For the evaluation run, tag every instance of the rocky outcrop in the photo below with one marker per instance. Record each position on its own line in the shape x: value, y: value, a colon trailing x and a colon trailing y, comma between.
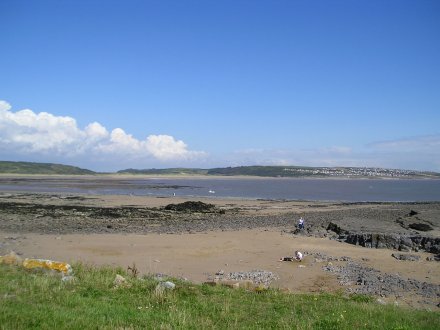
x: 399, y: 242
x: 393, y: 241
x: 406, y: 257
x: 192, y: 206
x: 420, y: 226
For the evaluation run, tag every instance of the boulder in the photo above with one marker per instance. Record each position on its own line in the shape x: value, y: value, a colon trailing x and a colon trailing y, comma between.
x: 61, y: 267
x: 168, y: 285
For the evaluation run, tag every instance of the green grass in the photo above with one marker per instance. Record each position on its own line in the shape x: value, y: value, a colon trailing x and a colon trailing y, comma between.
x: 41, y: 168
x: 30, y: 299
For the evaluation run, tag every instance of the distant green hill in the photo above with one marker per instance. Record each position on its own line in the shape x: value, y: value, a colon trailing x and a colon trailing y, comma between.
x: 271, y: 171
x: 165, y: 171
x: 292, y: 171
x: 40, y: 168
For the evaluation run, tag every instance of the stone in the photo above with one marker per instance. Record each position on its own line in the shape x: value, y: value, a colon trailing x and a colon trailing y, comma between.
x: 119, y: 280
x: 62, y: 267
x: 68, y: 278
x: 435, y: 249
x: 168, y: 285
x: 11, y: 259
x: 407, y: 257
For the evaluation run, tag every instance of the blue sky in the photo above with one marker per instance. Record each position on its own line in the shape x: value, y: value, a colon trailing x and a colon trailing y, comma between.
x: 109, y: 85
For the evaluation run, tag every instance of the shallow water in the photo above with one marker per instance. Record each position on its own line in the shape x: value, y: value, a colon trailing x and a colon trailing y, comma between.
x: 349, y: 190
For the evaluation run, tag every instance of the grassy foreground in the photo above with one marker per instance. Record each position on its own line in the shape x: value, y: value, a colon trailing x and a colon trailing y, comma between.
x: 30, y: 299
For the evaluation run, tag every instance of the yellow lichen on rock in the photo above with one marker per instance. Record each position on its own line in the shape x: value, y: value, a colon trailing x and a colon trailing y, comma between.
x: 48, y: 264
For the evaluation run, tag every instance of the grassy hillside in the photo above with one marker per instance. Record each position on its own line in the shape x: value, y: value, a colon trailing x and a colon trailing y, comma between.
x: 37, y: 300
x: 40, y: 168
x: 292, y: 171
x: 166, y: 171
x: 272, y: 171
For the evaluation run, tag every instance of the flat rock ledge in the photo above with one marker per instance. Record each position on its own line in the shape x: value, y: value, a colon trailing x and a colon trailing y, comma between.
x: 398, y: 242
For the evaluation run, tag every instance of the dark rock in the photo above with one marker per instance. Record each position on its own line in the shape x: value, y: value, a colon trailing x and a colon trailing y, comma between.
x: 406, y: 244
x: 420, y: 226
x: 335, y: 228
x: 435, y: 249
x: 412, y: 213
x: 191, y: 206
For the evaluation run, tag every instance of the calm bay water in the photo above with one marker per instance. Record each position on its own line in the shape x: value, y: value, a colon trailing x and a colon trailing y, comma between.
x: 350, y: 190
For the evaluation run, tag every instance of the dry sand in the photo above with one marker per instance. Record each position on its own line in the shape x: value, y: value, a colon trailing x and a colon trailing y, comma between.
x: 198, y: 256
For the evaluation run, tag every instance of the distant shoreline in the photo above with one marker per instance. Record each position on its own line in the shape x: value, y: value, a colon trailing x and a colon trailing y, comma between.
x: 207, y: 176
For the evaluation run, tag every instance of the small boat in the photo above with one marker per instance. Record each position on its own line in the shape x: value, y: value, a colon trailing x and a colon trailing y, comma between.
x: 211, y: 192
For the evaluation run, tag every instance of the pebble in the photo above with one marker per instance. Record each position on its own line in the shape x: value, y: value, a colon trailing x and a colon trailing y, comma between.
x: 367, y: 280
x: 256, y: 276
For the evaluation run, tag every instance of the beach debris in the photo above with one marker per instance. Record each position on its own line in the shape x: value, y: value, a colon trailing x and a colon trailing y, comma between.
x: 11, y: 259
x: 61, y: 267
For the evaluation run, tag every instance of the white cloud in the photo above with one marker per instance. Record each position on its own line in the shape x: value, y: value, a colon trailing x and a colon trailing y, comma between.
x: 28, y: 133
x: 418, y: 153
x: 165, y: 147
x: 430, y: 143
x: 95, y: 131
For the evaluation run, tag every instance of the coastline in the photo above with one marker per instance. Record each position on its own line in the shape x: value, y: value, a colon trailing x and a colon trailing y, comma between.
x: 201, y: 177
x: 238, y: 235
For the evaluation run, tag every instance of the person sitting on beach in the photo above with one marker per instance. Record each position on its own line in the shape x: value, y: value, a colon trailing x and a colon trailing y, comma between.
x: 298, y: 257
x: 301, y: 223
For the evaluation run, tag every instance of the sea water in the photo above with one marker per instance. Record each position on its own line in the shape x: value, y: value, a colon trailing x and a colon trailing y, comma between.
x: 348, y: 190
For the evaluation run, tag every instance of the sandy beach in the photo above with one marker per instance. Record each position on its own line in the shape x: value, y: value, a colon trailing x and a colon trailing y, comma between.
x: 233, y: 236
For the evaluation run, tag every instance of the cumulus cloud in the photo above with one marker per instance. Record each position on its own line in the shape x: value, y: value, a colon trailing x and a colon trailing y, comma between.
x: 29, y: 133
